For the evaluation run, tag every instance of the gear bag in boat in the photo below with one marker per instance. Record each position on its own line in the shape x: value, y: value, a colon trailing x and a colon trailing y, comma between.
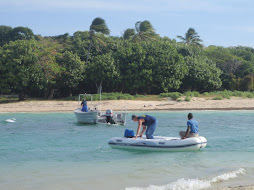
x: 128, y: 133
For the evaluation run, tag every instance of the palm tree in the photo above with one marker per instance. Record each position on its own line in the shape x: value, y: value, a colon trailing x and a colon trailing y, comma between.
x: 98, y: 26
x: 128, y: 34
x: 191, y: 38
x: 143, y: 31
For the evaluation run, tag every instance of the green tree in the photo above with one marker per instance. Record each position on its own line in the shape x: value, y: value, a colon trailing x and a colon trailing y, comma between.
x: 65, y: 40
x: 21, y: 33
x: 150, y: 67
x: 103, y: 72
x: 51, y: 71
x: 143, y: 31
x: 98, y: 26
x: 17, y: 60
x: 135, y: 76
x: 191, y: 38
x: 202, y: 76
x: 246, y: 69
x: 168, y: 66
x: 230, y: 65
x: 71, y: 75
x: 128, y: 34
x: 80, y: 42
x: 5, y: 34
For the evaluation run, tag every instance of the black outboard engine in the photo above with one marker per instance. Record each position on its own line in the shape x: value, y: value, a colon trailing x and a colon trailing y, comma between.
x: 109, y: 117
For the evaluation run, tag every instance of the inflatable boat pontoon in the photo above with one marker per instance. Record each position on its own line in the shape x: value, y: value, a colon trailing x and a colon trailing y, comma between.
x: 159, y: 143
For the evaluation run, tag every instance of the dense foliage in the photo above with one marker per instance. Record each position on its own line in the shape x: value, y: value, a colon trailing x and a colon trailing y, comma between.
x: 139, y: 62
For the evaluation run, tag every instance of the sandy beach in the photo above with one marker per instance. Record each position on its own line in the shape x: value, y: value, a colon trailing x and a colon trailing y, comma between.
x: 196, y: 103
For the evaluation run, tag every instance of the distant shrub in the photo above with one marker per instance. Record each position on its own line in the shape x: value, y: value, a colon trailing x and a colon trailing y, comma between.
x: 238, y: 93
x: 114, y: 96
x: 164, y: 95
x: 188, y: 93
x: 196, y: 94
x: 104, y: 96
x: 109, y: 98
x: 250, y: 95
x: 226, y: 94
x: 217, y: 98
x: 173, y: 95
x: 179, y: 100
x: 71, y: 98
x: 187, y: 99
x: 139, y: 96
x: 192, y: 94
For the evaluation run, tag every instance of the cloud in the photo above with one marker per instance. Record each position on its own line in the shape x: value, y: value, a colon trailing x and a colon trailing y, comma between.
x: 68, y: 4
x: 123, y: 5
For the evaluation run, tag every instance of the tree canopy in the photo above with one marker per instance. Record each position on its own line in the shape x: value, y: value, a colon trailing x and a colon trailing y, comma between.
x: 139, y: 62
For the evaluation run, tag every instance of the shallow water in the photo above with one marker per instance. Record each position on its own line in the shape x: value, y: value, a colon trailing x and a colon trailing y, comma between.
x: 53, y: 151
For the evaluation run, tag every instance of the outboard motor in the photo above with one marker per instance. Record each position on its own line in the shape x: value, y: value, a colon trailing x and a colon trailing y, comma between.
x: 109, y: 117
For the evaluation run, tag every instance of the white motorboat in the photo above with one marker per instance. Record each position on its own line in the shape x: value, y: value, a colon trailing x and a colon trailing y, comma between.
x: 159, y: 143
x: 89, y: 117
x: 86, y: 117
x: 93, y: 115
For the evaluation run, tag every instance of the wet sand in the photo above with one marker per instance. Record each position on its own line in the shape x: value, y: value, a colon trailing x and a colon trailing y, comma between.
x: 236, y: 188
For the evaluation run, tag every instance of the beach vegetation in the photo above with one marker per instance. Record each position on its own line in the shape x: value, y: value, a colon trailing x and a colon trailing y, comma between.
x: 218, y: 98
x: 228, y: 94
x: 106, y: 96
x: 191, y: 94
x: 250, y: 95
x: 139, y: 63
x: 173, y: 95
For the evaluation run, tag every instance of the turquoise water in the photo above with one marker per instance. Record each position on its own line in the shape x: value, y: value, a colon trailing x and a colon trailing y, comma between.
x: 53, y: 151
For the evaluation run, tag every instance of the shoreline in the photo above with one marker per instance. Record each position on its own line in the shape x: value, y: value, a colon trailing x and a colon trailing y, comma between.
x: 136, y: 110
x: 198, y: 104
x: 240, y: 187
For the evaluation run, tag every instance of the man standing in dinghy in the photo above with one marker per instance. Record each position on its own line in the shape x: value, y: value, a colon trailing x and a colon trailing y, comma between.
x: 145, y: 121
x: 192, y: 128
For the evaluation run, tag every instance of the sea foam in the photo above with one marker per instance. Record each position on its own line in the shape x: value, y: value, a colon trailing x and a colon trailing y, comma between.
x: 12, y: 120
x: 192, y: 184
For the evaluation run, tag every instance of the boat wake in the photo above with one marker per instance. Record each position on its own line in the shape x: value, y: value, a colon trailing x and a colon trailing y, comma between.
x: 12, y: 120
x: 192, y: 184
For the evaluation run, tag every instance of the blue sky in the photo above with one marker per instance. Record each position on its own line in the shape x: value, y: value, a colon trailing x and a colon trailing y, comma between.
x: 218, y: 22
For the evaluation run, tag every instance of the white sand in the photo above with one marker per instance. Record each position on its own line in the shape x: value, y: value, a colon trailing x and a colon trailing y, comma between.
x: 133, y: 105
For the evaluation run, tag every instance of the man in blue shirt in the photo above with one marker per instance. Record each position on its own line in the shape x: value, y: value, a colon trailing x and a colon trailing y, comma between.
x: 192, y: 128
x: 84, y: 105
x: 146, y: 121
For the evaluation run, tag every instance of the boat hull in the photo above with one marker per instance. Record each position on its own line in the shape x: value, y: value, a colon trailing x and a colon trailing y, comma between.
x: 159, y: 143
x: 90, y: 117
